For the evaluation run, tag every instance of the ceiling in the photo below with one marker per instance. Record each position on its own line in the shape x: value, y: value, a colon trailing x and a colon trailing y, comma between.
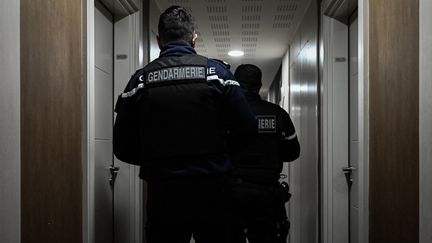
x: 260, y: 28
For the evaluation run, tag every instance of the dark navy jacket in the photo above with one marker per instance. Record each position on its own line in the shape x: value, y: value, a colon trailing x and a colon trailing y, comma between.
x: 275, y: 143
x: 239, y: 122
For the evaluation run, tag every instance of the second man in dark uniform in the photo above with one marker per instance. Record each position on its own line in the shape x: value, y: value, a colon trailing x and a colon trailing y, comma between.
x: 259, y: 198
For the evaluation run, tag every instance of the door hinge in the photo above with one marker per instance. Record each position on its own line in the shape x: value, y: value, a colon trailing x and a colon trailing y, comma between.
x: 114, y: 171
x: 348, y: 174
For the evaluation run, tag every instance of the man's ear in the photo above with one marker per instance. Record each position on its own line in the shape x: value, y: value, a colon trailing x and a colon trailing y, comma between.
x: 194, y: 39
x: 160, y: 42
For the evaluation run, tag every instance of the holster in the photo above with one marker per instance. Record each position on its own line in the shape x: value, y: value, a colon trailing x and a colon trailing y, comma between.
x: 283, y: 223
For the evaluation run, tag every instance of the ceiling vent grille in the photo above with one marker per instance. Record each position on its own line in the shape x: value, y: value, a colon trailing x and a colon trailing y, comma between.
x: 249, y: 39
x: 223, y: 45
x: 222, y: 39
x: 284, y: 17
x: 218, y: 18
x: 249, y: 45
x: 250, y: 32
x: 219, y: 26
x: 282, y: 25
x: 251, y: 17
x: 250, y: 26
x: 285, y: 8
x: 215, y: 1
x: 216, y: 9
x: 221, y: 33
x: 252, y: 9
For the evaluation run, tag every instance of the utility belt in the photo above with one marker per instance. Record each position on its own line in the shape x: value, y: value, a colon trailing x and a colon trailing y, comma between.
x: 280, y: 189
x: 265, y: 182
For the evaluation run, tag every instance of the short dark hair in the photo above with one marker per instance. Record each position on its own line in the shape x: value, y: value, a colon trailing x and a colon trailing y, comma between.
x: 175, y: 24
x: 249, y: 76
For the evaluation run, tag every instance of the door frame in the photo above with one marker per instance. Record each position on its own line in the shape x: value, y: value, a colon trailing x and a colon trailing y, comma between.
x: 334, y: 124
x: 363, y: 123
x: 89, y: 146
x: 425, y: 183
x: 129, y: 190
x: 89, y: 122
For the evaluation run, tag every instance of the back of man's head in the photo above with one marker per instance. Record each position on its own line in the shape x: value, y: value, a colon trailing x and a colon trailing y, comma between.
x: 249, y: 76
x: 176, y: 24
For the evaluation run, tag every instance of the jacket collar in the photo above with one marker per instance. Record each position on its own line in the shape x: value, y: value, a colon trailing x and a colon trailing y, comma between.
x: 177, y: 48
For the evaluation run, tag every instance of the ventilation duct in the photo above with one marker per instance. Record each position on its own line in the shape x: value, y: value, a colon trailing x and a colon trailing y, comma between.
x: 121, y: 8
x: 339, y: 9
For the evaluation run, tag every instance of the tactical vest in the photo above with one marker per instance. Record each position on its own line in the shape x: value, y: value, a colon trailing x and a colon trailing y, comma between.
x: 180, y: 116
x: 260, y: 161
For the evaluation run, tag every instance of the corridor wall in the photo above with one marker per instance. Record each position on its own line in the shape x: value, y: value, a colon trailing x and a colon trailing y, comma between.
x: 394, y: 121
x: 425, y: 121
x: 304, y: 98
x: 52, y: 120
x: 10, y: 121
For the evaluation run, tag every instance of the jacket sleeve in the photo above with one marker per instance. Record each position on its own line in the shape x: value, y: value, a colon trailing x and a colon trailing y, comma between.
x: 126, y: 141
x: 289, y: 146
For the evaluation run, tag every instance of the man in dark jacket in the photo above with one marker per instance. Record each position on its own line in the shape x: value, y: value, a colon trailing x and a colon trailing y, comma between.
x: 174, y: 119
x: 259, y: 198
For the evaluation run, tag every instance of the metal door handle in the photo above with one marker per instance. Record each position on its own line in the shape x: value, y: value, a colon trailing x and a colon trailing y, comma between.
x: 114, y: 171
x: 347, y: 172
x: 348, y: 169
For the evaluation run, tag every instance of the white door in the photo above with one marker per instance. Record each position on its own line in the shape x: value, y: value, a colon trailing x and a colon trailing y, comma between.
x: 103, y: 123
x: 335, y: 132
x: 354, y: 130
x: 117, y: 196
x: 128, y: 189
x: 340, y: 132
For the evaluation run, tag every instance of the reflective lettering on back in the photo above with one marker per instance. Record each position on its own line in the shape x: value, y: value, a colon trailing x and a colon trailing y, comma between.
x: 176, y: 73
x: 266, y: 124
x: 211, y: 70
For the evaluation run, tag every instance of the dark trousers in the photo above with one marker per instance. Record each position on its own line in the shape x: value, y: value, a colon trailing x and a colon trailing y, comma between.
x: 255, y: 214
x: 180, y: 208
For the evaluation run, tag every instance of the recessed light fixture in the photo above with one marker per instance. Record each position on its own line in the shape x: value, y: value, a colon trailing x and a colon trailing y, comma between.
x: 236, y: 53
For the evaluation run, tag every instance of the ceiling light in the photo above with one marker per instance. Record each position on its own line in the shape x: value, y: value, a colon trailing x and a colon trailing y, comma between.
x: 236, y: 53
